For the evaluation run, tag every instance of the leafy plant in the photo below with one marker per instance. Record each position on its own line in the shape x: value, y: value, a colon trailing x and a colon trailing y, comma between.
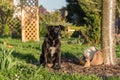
x: 6, y: 61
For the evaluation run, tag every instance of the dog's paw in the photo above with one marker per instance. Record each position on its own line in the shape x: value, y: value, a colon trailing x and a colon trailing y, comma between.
x: 49, y: 65
x: 43, y: 64
x: 56, y: 67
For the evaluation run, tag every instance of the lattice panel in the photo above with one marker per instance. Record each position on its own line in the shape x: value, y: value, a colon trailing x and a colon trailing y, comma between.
x: 15, y: 26
x: 30, y: 2
x: 30, y: 19
x: 14, y: 23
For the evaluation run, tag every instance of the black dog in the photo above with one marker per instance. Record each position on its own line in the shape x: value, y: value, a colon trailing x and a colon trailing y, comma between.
x: 51, y: 52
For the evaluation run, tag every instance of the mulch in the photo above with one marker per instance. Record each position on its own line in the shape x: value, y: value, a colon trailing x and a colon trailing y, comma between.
x: 71, y: 66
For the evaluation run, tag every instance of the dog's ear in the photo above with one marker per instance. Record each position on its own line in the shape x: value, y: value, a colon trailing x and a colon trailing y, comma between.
x: 62, y: 27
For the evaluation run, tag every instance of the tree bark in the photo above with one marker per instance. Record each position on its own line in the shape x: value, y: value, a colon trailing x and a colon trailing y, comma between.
x: 108, y: 32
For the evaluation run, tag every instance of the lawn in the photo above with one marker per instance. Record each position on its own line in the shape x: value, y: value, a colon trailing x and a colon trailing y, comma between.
x: 18, y: 63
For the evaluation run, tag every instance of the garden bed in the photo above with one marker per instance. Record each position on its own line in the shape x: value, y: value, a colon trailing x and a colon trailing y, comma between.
x: 71, y: 66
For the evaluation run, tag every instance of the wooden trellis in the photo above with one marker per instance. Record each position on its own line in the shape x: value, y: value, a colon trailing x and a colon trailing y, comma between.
x: 10, y: 21
x: 30, y: 20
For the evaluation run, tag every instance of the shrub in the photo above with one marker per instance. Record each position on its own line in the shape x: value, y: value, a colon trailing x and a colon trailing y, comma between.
x: 93, y: 28
x: 91, y: 31
x: 6, y: 11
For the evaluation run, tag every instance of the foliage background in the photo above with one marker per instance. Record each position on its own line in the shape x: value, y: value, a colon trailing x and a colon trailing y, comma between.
x: 85, y: 14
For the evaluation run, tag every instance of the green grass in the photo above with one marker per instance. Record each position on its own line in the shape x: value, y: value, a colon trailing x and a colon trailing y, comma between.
x: 25, y: 54
x: 118, y: 51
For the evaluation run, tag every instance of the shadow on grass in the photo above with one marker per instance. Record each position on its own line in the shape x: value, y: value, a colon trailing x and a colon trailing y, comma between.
x: 69, y: 57
x: 29, y: 58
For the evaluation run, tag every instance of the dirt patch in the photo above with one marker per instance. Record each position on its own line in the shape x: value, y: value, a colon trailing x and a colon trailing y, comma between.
x: 70, y: 66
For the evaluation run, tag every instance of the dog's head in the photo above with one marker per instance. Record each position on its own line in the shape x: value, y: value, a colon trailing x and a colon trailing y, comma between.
x: 55, y: 31
x: 82, y: 60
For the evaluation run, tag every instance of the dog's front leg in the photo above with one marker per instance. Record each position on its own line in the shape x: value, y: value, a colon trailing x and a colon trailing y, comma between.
x: 57, y: 61
x: 45, y: 51
x: 45, y: 57
x: 59, y: 55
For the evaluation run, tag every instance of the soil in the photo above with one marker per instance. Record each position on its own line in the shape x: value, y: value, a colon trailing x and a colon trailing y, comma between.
x: 71, y: 65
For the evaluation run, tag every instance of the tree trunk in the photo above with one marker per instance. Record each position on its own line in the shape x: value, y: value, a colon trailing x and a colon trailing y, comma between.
x: 108, y: 32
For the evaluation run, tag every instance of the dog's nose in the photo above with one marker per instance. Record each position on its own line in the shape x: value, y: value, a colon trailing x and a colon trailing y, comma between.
x: 56, y: 31
x: 59, y: 36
